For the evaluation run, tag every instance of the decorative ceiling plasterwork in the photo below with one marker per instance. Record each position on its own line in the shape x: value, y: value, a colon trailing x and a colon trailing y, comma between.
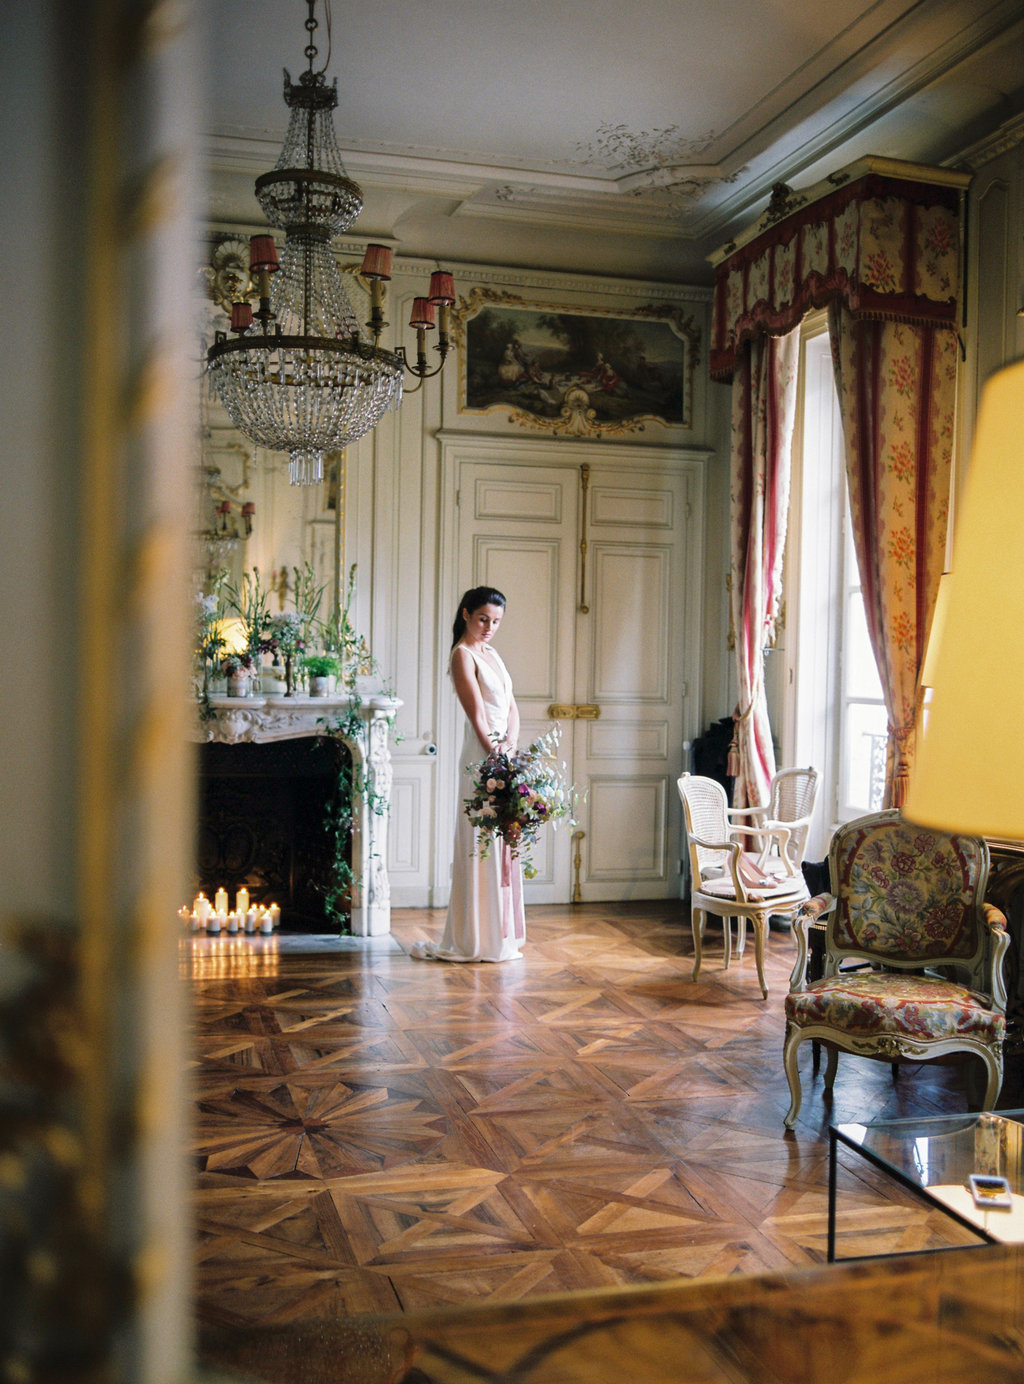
x: 658, y: 164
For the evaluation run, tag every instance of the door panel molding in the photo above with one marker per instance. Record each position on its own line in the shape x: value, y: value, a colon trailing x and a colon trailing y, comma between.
x: 626, y: 839
x: 640, y: 509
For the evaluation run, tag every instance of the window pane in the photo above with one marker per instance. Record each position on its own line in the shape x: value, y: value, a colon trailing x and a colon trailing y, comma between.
x: 864, y: 757
x: 860, y: 670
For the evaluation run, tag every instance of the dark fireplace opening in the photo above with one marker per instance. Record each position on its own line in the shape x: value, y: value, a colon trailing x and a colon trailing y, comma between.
x: 267, y: 816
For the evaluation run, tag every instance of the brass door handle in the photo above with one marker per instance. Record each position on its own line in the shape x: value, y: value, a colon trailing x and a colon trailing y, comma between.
x: 566, y: 711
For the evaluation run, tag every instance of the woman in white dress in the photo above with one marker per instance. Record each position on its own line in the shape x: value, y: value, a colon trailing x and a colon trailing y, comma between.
x: 486, y: 920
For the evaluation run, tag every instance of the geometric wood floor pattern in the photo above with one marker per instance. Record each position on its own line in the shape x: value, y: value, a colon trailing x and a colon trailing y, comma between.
x: 375, y: 1133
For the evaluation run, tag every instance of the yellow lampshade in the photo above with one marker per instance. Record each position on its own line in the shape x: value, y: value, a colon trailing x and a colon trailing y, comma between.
x: 968, y: 773
x: 927, y: 678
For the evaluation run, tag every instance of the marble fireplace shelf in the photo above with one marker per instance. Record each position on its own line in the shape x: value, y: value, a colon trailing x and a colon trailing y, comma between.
x: 259, y: 720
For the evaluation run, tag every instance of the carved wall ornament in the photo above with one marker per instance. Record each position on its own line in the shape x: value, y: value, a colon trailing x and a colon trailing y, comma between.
x: 572, y: 373
x: 227, y: 275
x: 782, y: 202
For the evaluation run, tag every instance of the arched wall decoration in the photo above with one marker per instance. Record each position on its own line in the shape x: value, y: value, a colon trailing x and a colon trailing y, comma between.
x: 879, y: 245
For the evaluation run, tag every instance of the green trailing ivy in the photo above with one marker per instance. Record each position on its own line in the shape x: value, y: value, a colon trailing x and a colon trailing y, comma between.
x: 347, y: 725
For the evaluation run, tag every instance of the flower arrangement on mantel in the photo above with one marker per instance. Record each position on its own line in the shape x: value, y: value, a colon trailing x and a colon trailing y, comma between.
x: 298, y: 641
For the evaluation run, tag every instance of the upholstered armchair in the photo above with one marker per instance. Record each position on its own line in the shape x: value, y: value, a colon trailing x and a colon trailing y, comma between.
x: 909, y: 912
x: 725, y: 880
x: 779, y: 829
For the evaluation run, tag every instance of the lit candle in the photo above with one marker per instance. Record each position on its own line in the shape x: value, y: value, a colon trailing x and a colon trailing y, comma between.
x: 242, y: 900
x: 275, y: 914
x: 220, y: 900
x: 232, y: 922
x: 267, y: 921
x: 250, y: 920
x: 193, y: 922
x: 215, y: 922
x: 202, y: 908
x: 184, y: 913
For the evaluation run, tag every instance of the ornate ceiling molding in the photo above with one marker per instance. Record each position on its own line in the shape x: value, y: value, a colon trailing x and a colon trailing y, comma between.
x: 658, y: 164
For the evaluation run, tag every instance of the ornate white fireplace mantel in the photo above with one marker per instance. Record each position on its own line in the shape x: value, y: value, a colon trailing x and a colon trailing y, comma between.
x: 257, y: 720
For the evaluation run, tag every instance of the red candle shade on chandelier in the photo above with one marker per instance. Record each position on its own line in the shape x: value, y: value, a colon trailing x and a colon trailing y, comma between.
x: 422, y: 317
x: 241, y: 317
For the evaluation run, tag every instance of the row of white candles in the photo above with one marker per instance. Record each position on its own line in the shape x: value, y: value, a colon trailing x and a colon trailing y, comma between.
x: 216, y: 917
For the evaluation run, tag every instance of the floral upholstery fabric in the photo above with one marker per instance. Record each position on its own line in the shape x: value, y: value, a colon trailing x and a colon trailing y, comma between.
x: 906, y: 1006
x: 907, y: 893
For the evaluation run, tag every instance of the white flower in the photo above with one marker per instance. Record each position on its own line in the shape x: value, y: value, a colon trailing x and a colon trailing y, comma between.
x: 487, y: 811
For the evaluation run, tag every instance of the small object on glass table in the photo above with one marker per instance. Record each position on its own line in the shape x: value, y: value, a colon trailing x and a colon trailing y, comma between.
x: 990, y: 1193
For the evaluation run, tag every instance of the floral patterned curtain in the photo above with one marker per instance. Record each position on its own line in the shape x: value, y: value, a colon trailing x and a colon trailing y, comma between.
x: 879, y: 246
x: 763, y: 412
x: 897, y: 396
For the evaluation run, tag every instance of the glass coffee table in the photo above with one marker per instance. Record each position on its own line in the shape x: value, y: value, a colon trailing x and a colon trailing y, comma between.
x: 934, y: 1158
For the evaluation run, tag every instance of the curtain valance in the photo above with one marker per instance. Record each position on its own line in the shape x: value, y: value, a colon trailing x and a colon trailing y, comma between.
x: 886, y: 247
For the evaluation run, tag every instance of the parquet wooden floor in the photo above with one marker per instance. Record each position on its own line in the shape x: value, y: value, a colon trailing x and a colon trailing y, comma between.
x: 376, y: 1133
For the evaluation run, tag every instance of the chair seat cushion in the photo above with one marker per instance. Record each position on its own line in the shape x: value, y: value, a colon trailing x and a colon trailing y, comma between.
x: 910, y: 1006
x: 792, y: 888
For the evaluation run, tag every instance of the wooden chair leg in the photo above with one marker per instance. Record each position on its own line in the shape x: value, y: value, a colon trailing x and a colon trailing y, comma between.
x: 697, y: 926
x: 789, y: 1062
x: 760, y: 925
x: 830, y: 1069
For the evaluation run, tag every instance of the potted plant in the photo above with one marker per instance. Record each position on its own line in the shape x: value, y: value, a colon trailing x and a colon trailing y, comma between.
x: 320, y: 669
x: 238, y: 669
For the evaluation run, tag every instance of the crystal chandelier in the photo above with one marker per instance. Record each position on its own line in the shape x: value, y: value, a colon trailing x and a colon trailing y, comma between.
x: 296, y: 376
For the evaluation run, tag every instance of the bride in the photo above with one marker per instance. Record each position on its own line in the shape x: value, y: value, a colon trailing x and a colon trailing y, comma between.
x: 486, y: 920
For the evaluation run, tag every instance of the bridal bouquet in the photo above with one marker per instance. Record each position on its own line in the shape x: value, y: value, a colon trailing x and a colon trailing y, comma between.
x: 514, y: 795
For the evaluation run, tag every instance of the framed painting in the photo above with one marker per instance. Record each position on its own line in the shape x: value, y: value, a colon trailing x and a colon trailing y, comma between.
x: 583, y: 374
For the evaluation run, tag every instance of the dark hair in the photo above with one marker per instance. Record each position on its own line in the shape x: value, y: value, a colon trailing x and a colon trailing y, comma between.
x: 473, y: 600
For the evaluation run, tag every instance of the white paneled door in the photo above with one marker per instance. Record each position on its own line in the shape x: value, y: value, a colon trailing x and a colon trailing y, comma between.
x: 600, y: 635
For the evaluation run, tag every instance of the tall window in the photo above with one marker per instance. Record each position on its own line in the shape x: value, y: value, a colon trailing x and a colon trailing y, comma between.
x: 863, y: 720
x: 824, y: 690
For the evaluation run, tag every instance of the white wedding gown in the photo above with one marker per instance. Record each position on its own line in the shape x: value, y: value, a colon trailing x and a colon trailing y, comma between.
x: 486, y: 919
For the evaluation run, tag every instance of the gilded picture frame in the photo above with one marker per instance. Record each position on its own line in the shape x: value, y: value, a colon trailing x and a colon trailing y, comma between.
x: 576, y: 373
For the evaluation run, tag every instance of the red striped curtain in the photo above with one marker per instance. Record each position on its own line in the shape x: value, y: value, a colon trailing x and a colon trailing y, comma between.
x: 763, y: 412
x: 881, y: 251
